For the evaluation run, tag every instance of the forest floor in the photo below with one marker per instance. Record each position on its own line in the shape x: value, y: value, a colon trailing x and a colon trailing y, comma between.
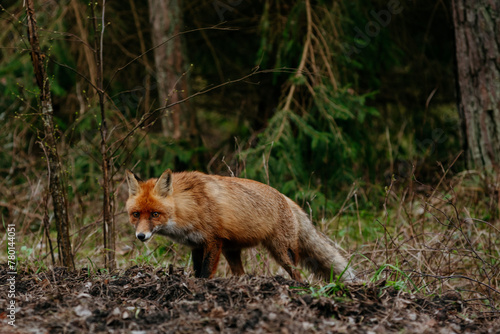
x: 159, y: 300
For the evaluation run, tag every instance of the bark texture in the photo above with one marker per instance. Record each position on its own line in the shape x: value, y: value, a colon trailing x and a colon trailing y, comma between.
x: 56, y: 186
x: 166, y: 22
x: 477, y: 37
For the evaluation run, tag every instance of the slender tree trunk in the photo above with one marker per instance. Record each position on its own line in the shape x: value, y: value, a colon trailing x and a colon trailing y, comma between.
x: 166, y: 21
x: 108, y: 221
x: 477, y: 36
x: 56, y: 186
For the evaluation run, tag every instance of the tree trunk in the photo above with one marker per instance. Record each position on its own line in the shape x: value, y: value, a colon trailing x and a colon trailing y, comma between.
x: 56, y: 186
x: 166, y: 21
x: 108, y: 220
x: 477, y: 36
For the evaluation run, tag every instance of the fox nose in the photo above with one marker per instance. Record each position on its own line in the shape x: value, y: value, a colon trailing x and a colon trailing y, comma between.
x: 143, y: 236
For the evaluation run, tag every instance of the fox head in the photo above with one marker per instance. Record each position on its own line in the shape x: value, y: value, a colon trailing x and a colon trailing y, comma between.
x: 150, y: 205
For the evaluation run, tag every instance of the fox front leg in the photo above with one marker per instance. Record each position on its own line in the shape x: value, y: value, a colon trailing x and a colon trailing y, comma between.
x: 206, y: 259
x: 233, y: 257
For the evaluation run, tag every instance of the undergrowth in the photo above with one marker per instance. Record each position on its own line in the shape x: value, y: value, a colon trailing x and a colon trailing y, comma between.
x: 423, y: 239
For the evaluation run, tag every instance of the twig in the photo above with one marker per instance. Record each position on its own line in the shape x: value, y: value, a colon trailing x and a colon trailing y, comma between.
x: 151, y: 113
x: 357, y: 214
x: 215, y: 27
x: 46, y: 226
x: 24, y: 211
x: 446, y: 172
x: 455, y: 277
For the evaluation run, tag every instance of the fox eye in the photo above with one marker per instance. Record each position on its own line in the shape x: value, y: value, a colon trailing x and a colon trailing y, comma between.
x: 155, y: 214
x: 136, y: 214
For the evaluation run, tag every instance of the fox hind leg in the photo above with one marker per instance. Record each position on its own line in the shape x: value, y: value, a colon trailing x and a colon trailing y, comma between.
x: 286, y: 256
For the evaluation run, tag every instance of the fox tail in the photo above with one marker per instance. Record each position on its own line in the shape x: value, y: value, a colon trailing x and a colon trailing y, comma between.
x: 317, y: 252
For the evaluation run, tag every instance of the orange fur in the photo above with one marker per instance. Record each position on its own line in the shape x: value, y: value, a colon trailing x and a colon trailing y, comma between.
x: 214, y: 214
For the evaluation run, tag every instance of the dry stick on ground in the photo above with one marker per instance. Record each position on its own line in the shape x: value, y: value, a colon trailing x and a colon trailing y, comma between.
x: 49, y: 143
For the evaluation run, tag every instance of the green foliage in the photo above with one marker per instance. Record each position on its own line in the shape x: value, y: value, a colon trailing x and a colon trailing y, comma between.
x: 27, y: 258
x: 141, y: 260
x: 400, y: 281
x: 310, y: 156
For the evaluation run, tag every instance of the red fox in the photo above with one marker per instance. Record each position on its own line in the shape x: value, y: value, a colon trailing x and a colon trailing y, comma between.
x: 213, y: 214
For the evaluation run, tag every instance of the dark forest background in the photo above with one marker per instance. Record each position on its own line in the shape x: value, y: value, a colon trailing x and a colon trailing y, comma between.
x: 388, y: 109
x: 351, y: 108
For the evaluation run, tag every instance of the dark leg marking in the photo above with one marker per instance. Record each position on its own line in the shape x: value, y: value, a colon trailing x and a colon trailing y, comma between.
x: 233, y: 258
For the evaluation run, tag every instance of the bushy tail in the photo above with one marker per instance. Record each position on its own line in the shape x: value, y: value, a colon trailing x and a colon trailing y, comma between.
x: 317, y: 252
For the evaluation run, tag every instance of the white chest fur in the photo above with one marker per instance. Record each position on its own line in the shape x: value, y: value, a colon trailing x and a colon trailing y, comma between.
x: 185, y: 235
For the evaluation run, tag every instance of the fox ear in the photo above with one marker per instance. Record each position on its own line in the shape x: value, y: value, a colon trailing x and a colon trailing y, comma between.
x: 163, y: 186
x: 133, y: 183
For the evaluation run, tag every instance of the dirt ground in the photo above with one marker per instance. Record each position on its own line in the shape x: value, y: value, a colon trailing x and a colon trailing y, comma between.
x: 152, y: 300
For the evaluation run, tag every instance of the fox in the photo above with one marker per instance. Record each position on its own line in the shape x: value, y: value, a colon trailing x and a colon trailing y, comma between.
x: 214, y: 214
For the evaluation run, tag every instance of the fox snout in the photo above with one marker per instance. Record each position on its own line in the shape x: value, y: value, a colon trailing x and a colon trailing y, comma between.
x: 143, y: 236
x: 144, y: 230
